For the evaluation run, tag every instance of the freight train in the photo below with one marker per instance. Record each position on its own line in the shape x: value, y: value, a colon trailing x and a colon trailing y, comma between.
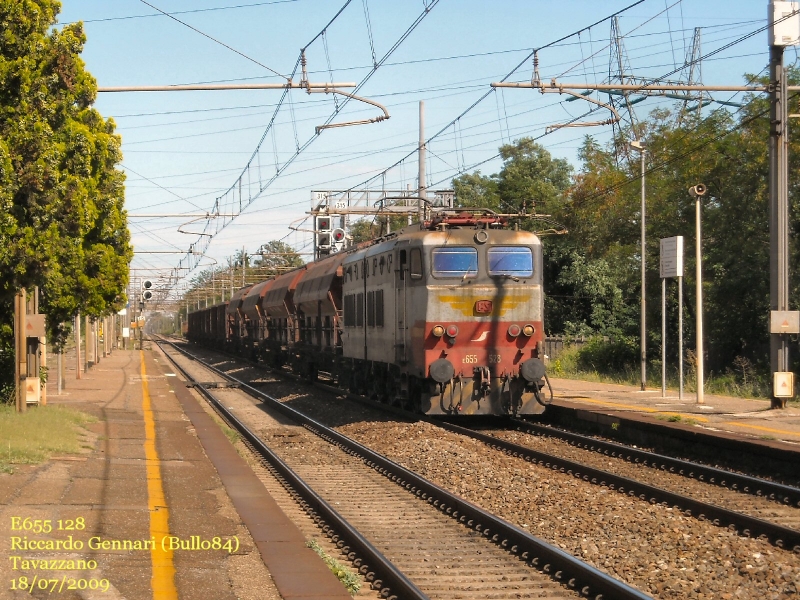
x: 443, y: 319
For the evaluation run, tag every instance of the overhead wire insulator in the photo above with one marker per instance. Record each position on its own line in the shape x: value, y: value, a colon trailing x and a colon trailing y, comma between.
x: 304, y: 73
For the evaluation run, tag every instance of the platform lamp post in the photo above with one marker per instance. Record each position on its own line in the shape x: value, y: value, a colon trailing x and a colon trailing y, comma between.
x: 697, y: 192
x: 638, y: 145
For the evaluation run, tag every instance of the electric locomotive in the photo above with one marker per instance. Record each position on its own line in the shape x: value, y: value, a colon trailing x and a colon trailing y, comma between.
x: 448, y: 319
x: 443, y: 319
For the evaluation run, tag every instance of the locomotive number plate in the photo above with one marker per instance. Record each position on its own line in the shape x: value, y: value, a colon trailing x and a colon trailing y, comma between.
x: 483, y: 306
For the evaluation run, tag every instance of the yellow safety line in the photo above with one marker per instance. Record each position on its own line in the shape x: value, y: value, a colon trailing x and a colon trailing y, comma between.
x: 635, y: 407
x: 162, y: 580
x: 760, y: 428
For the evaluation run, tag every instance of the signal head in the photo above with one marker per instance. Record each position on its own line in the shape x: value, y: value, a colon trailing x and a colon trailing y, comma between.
x: 324, y: 224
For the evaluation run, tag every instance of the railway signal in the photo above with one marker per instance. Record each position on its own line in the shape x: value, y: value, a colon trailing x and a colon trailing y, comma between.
x: 338, y: 238
x: 323, y: 229
x: 147, y: 294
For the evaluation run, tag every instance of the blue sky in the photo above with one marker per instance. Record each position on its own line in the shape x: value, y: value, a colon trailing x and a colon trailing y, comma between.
x: 183, y: 150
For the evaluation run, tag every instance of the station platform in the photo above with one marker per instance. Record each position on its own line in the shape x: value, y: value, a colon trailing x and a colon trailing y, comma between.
x: 159, y: 505
x: 749, y: 419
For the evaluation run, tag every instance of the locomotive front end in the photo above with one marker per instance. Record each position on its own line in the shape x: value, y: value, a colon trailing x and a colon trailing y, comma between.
x: 483, y: 331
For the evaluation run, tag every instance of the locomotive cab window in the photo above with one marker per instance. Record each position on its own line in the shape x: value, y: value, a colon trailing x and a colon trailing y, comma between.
x: 403, y: 265
x: 416, y: 263
x: 514, y: 261
x: 454, y: 261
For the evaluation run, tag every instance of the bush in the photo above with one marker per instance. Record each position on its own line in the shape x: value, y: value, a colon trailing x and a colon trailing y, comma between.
x: 617, y: 361
x: 608, y: 356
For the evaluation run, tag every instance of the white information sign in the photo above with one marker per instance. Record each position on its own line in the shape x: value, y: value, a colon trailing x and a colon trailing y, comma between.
x: 126, y: 332
x: 784, y: 321
x: 672, y: 257
x: 784, y: 23
x: 783, y: 384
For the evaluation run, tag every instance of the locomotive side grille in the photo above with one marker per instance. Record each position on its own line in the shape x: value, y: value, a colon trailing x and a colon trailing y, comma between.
x: 370, y: 309
x: 350, y: 310
x: 360, y: 310
x: 379, y: 308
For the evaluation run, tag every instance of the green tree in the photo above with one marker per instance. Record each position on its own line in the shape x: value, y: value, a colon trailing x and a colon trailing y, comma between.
x: 474, y: 189
x: 367, y: 229
x: 62, y: 223
x: 530, y: 181
x: 592, y: 274
x: 277, y: 257
x: 728, y: 152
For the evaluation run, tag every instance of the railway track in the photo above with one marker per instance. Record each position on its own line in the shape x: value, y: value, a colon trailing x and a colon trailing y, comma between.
x: 414, y: 531
x: 754, y: 507
x: 655, y: 547
x: 788, y: 493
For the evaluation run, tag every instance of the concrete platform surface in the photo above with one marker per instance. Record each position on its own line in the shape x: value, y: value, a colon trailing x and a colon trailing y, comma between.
x: 143, y: 477
x: 748, y: 417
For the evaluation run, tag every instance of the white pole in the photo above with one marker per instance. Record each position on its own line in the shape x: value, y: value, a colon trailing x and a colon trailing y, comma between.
x: 699, y: 277
x: 680, y: 337
x: 643, y: 333
x: 663, y: 337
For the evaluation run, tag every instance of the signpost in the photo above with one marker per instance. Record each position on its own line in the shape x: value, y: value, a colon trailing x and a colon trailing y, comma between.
x: 671, y: 265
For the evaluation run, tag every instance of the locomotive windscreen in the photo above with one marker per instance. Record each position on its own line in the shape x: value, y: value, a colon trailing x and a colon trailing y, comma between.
x: 516, y: 261
x: 455, y: 261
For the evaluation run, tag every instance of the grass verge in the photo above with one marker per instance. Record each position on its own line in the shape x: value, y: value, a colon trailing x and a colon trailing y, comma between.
x: 569, y: 366
x: 232, y: 435
x: 35, y: 435
x: 350, y: 579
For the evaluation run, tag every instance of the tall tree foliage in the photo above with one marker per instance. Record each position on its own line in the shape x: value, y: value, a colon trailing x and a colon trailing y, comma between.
x: 592, y: 274
x: 216, y: 284
x: 530, y: 181
x: 727, y: 151
x: 277, y: 257
x: 368, y: 229
x: 62, y: 223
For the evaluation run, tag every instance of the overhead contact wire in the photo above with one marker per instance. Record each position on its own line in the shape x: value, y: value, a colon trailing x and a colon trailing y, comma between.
x: 213, y: 39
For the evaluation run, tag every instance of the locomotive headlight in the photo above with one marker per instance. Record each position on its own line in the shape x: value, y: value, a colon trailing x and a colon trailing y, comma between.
x: 529, y: 330
x: 514, y: 330
x: 452, y: 331
x: 438, y: 331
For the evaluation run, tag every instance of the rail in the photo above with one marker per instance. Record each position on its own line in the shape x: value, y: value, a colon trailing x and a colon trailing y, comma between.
x: 390, y: 578
x: 728, y: 479
x: 783, y: 537
x: 562, y: 566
